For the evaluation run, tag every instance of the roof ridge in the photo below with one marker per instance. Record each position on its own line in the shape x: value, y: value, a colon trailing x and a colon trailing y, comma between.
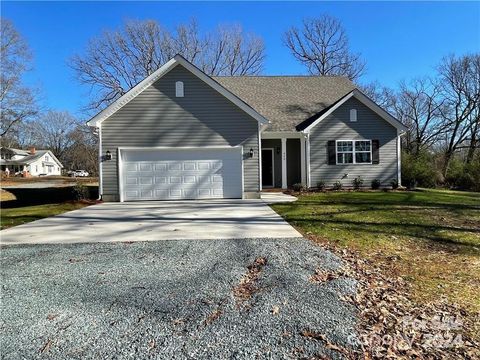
x: 281, y: 76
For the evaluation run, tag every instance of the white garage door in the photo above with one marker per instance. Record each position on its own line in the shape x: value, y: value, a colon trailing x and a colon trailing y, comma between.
x: 173, y: 174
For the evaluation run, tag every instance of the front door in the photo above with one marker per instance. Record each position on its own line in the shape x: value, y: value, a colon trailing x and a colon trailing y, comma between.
x: 267, y: 168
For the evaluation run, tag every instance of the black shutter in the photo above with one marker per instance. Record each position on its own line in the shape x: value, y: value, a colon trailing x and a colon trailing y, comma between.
x: 375, y: 152
x: 332, y: 152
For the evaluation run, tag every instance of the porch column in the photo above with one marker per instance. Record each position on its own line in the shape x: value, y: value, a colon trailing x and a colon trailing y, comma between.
x: 284, y: 163
x: 307, y: 151
x: 302, y: 162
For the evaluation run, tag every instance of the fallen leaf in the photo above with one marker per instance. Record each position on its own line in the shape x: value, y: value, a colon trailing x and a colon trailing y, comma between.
x: 151, y: 345
x: 46, y: 347
x: 51, y: 316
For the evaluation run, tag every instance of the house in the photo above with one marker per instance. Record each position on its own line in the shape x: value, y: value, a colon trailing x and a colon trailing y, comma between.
x: 29, y: 162
x: 180, y: 134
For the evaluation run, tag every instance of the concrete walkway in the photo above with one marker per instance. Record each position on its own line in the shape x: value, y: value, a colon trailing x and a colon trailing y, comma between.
x: 151, y: 221
x: 277, y: 197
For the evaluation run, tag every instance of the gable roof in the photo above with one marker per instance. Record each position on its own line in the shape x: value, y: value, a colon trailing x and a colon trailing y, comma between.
x: 177, y: 60
x: 311, y: 122
x: 15, y: 151
x: 287, y: 101
x: 30, y: 158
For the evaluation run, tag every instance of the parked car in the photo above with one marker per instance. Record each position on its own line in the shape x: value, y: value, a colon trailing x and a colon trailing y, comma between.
x: 78, y: 173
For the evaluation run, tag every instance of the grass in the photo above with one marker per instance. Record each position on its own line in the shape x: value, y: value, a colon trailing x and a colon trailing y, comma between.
x: 21, y: 215
x: 430, y: 237
x: 6, y: 196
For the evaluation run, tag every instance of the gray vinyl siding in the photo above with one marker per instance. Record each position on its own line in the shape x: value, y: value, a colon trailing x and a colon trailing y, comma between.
x: 337, y: 126
x: 156, y: 117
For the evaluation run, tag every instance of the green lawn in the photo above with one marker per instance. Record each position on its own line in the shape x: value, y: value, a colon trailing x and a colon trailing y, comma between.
x: 429, y: 237
x: 21, y: 215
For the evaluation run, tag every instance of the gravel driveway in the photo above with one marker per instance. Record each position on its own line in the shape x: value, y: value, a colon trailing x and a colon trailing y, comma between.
x: 173, y: 299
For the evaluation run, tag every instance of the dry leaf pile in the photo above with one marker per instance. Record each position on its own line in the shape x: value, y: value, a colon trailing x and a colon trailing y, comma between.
x: 248, y: 284
x: 393, y: 325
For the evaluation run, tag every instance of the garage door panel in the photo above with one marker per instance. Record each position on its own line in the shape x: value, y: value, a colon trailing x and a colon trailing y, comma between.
x: 145, y: 167
x: 188, y: 166
x: 131, y: 180
x: 146, y: 180
x: 165, y: 174
x: 131, y: 167
x: 189, y: 179
x: 161, y: 194
x: 161, y: 167
x: 175, y: 180
x: 172, y: 166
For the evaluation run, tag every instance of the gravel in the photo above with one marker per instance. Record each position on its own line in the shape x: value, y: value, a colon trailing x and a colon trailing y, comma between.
x: 171, y: 299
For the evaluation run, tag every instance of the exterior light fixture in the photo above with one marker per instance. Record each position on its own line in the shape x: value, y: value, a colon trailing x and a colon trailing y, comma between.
x: 251, y: 153
x: 108, y: 155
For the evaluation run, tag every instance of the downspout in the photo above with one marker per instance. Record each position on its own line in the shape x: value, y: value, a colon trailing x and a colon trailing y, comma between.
x: 259, y: 158
x: 399, y: 157
x: 307, y: 150
x: 100, y: 164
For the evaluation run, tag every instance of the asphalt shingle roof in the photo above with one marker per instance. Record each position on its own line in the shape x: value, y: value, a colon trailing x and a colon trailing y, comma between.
x: 27, y: 159
x: 287, y: 101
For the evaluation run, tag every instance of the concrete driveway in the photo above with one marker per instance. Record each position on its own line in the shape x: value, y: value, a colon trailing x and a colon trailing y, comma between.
x: 151, y: 221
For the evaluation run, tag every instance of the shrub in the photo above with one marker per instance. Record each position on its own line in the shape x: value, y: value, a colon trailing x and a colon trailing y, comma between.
x: 298, y: 187
x: 337, y: 185
x: 376, y: 184
x: 357, y: 183
x: 394, y: 183
x: 419, y: 169
x: 321, y: 185
x: 464, y: 176
x: 80, y: 191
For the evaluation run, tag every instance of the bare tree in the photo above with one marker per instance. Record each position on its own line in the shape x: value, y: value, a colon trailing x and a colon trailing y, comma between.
x: 117, y: 60
x: 419, y: 106
x: 53, y: 131
x: 229, y: 51
x: 83, y: 152
x: 382, y: 95
x: 17, y: 102
x: 460, y: 80
x: 322, y: 46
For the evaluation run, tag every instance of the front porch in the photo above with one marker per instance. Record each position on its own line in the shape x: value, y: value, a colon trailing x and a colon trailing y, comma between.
x: 283, y: 159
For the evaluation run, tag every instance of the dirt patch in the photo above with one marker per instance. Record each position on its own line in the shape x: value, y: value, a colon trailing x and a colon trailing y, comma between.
x: 248, y: 284
x: 393, y: 325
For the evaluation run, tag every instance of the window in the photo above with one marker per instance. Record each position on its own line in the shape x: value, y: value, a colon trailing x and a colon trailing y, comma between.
x: 179, y: 89
x: 354, y: 151
x: 363, y: 152
x: 353, y: 115
x: 344, y: 152
x: 46, y: 158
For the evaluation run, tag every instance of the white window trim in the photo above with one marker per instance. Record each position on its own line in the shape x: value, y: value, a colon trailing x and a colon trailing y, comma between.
x: 353, y: 115
x: 353, y: 152
x: 179, y: 89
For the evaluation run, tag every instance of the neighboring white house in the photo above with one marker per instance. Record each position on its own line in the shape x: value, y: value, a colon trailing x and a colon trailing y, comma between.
x: 35, y: 162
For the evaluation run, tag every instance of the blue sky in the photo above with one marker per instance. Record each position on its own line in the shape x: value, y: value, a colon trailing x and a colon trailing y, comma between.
x: 399, y: 40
